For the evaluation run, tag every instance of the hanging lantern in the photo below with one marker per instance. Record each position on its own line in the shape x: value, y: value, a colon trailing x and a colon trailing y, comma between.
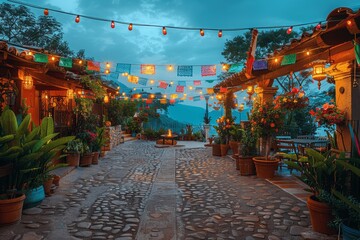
x: 202, y: 33
x: 130, y: 27
x: 106, y: 99
x: 28, y: 82
x: 112, y: 24
x: 319, y: 72
x: 77, y: 19
x: 164, y: 31
x: 220, y: 33
x: 46, y: 11
x: 70, y: 94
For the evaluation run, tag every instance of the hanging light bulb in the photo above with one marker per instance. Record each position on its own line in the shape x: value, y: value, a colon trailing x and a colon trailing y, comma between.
x: 107, y: 71
x: 164, y: 32
x: 80, y: 62
x: 130, y: 27
x: 348, y: 22
x: 308, y: 53
x: 46, y: 11
x: 318, y: 26
x: 107, y: 65
x: 289, y: 30
x: 52, y: 58
x: 276, y: 60
x: 202, y: 33
x: 112, y: 24
x: 220, y: 33
x: 77, y: 19
x: 170, y: 68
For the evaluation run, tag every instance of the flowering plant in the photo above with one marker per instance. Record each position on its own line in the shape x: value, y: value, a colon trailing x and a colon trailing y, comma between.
x: 266, y: 119
x: 292, y: 100
x: 328, y: 115
x: 88, y: 138
x: 223, y: 128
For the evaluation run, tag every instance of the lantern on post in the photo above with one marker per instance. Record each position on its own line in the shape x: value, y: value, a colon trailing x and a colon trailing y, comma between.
x: 106, y: 99
x: 28, y: 82
x: 318, y: 73
x: 250, y: 91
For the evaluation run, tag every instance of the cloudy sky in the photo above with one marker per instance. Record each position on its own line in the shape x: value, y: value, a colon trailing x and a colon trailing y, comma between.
x: 178, y: 47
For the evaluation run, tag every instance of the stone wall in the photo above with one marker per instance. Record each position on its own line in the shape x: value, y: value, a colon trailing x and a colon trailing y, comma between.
x: 113, y: 135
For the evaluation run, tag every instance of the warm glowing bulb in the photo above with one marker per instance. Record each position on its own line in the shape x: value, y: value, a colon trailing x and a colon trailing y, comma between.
x: 190, y: 87
x: 202, y: 33
x: 276, y: 60
x: 318, y: 26
x: 152, y: 81
x: 170, y: 68
x: 123, y: 94
x: 130, y: 27
x: 171, y: 82
x: 308, y: 53
x: 107, y: 71
x: 112, y: 24
x: 30, y: 53
x: 77, y: 19
x: 289, y: 30
x: 348, y: 22
x: 118, y: 88
x: 53, y: 58
x: 164, y: 96
x: 220, y: 33
x: 134, y: 88
x: 80, y: 61
x: 46, y: 11
x: 107, y: 65
x: 164, y: 31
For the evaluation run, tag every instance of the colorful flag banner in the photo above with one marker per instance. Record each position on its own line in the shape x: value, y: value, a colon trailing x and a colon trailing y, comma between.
x: 163, y: 84
x: 65, y: 62
x: 143, y: 81
x: 357, y: 53
x: 41, y: 58
x: 123, y: 68
x: 163, y: 101
x: 114, y: 75
x: 289, y: 59
x: 210, y: 91
x: 235, y: 68
x: 261, y: 64
x: 198, y: 90
x: 223, y: 89
x: 209, y: 81
x: 208, y: 70
x: 181, y: 83
x: 174, y: 96
x: 148, y: 101
x: 185, y: 71
x: 197, y: 82
x: 133, y: 79
x: 147, y: 69
x: 93, y: 66
x: 251, y: 53
x: 196, y: 98
x: 180, y: 89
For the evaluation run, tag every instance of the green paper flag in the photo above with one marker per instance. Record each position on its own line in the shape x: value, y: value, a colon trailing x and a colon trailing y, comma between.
x: 41, y: 58
x: 235, y: 68
x: 357, y: 53
x: 65, y: 62
x: 209, y: 81
x: 288, y: 59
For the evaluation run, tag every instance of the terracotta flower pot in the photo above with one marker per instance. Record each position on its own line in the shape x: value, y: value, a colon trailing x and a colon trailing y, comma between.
x: 10, y: 209
x: 224, y: 149
x: 95, y: 158
x: 216, y: 151
x: 234, y: 147
x: 320, y: 216
x: 73, y: 159
x: 86, y: 160
x: 47, y: 186
x: 246, y: 165
x: 56, y: 180
x: 265, y: 168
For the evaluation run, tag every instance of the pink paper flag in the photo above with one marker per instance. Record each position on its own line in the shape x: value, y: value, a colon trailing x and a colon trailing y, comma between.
x: 163, y: 84
x: 197, y: 82
x: 180, y: 89
x: 208, y: 70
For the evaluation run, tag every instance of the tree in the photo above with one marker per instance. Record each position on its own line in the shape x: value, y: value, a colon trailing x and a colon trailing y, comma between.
x: 18, y: 25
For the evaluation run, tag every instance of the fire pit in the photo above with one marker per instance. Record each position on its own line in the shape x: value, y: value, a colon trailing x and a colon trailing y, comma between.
x: 167, y: 137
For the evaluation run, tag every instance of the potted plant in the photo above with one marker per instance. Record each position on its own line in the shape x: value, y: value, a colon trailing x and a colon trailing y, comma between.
x: 73, y: 150
x: 223, y: 130
x: 98, y: 143
x: 235, y: 138
x: 248, y: 150
x: 266, y: 120
x: 319, y: 172
x: 87, y: 138
x: 216, y: 150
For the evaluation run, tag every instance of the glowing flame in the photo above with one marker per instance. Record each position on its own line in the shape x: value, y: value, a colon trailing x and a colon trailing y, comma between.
x: 169, y: 133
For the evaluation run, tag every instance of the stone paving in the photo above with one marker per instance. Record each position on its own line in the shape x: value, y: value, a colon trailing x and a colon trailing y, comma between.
x: 141, y: 192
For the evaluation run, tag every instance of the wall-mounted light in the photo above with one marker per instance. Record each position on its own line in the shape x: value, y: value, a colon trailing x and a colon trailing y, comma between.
x: 28, y: 82
x: 318, y: 73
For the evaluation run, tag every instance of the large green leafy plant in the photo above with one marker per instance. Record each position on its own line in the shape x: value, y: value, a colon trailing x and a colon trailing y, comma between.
x: 28, y: 152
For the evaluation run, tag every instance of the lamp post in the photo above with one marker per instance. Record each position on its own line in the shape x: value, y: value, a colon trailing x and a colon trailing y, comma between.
x: 240, y: 109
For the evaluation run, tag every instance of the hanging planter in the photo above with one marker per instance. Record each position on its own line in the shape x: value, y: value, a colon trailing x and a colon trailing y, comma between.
x: 295, y: 99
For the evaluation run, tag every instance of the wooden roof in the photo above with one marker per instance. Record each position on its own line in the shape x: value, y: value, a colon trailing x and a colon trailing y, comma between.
x: 334, y: 44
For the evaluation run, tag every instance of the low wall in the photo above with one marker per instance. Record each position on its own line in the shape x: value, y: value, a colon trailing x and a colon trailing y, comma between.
x: 113, y: 135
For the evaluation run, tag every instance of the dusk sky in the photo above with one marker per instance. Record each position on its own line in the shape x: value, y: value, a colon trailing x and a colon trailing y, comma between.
x: 179, y: 47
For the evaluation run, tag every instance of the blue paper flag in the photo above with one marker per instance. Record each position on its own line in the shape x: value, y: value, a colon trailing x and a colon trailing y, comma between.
x: 123, y: 68
x: 143, y: 81
x: 185, y: 71
x: 182, y: 83
x: 260, y: 64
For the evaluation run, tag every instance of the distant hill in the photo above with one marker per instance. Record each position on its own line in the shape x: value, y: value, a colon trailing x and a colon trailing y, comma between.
x: 165, y: 122
x: 187, y: 114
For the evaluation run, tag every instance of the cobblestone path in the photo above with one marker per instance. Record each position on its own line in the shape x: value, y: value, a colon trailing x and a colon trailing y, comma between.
x: 141, y: 192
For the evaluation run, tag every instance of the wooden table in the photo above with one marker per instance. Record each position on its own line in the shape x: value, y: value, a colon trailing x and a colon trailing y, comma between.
x: 166, y: 136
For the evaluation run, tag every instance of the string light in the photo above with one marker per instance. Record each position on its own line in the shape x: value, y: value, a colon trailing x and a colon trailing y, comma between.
x: 348, y: 22
x: 108, y: 65
x: 77, y: 19
x: 202, y: 33
x: 164, y: 32
x: 318, y: 26
x: 130, y: 27
x: 170, y: 67
x: 289, y: 30
x: 112, y: 24
x: 53, y: 58
x: 307, y: 53
x: 46, y: 12
x: 80, y: 62
x: 220, y: 33
x: 107, y: 71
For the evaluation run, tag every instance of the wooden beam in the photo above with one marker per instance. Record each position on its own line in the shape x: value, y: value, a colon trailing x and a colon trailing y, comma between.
x: 55, y: 82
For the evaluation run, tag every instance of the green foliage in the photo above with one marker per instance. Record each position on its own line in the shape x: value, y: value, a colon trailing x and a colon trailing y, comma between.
x: 120, y: 110
x: 248, y: 142
x: 133, y: 125
x: 74, y: 146
x: 29, y: 154
x: 94, y: 85
x: 100, y: 139
x: 236, y: 133
x: 19, y: 25
x: 153, y: 134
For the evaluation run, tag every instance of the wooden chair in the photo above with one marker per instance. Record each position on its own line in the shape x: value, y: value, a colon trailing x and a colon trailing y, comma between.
x: 285, y: 147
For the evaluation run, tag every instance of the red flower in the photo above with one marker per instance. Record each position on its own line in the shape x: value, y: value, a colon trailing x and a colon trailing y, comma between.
x: 272, y: 125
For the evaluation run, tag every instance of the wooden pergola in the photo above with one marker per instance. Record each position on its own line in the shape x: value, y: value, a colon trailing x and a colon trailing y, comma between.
x: 333, y: 44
